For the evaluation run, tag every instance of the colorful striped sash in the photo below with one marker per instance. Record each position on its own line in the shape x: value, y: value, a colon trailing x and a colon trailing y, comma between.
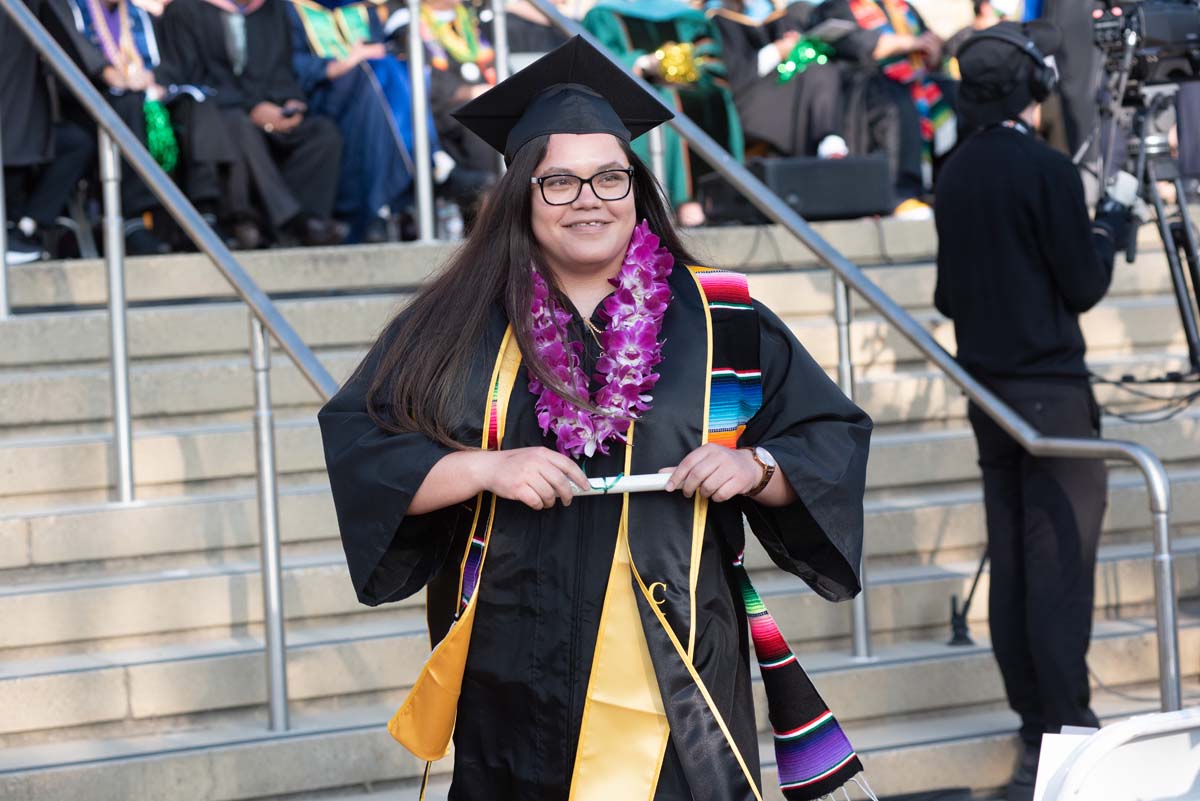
x: 812, y: 754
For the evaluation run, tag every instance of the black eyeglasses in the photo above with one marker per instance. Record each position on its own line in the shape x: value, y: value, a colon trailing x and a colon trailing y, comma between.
x: 562, y: 190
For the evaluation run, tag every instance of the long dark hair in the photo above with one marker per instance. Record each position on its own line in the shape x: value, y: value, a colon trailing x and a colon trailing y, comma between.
x: 422, y: 360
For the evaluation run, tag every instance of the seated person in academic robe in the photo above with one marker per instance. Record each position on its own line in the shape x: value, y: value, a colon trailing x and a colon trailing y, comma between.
x: 893, y: 42
x: 596, y: 647
x: 461, y: 66
x: 789, y: 100
x: 114, y: 44
x: 348, y: 75
x: 690, y: 77
x: 43, y: 160
x: 284, y: 160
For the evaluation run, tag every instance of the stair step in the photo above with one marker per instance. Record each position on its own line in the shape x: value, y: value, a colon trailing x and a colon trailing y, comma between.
x: 914, y: 455
x: 347, y: 748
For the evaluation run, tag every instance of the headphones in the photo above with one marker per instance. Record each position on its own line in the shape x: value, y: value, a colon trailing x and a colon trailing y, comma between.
x: 1044, y: 79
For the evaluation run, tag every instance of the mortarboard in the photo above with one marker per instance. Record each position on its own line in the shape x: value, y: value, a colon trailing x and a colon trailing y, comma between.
x: 572, y: 89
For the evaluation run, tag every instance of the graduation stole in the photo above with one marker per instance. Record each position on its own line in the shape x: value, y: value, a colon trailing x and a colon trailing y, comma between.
x: 332, y: 32
x: 937, y: 117
x: 641, y: 656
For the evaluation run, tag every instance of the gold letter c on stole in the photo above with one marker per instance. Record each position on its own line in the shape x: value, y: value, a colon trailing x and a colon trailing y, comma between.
x: 657, y: 601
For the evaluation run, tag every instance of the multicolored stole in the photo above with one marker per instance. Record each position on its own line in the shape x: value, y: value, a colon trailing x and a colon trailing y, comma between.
x: 812, y: 754
x: 938, y: 127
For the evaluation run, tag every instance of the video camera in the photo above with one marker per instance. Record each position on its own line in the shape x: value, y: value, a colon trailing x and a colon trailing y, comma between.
x: 1154, y: 41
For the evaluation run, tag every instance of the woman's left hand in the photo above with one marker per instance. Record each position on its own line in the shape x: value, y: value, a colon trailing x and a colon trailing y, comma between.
x: 716, y: 472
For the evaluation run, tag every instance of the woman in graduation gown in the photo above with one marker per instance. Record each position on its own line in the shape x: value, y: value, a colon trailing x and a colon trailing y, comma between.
x: 594, y: 648
x: 637, y: 31
x: 798, y: 116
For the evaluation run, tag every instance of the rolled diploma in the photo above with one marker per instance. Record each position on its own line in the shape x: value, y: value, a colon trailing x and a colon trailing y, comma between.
x: 652, y: 482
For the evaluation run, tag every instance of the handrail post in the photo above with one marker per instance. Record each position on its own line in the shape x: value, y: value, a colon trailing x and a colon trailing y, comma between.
x: 860, y: 629
x: 420, y: 115
x: 4, y: 303
x: 500, y: 49
x: 1158, y: 486
x: 658, y: 158
x: 114, y: 260
x: 268, y: 523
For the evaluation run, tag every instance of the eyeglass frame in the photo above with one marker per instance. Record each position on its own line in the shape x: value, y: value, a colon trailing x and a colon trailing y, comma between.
x: 539, y: 180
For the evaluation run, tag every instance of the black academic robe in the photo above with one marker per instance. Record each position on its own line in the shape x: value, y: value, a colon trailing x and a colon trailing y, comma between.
x: 291, y: 173
x: 24, y: 98
x: 792, y: 117
x: 543, y: 584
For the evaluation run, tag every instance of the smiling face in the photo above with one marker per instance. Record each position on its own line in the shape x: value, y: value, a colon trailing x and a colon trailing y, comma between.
x: 589, y: 236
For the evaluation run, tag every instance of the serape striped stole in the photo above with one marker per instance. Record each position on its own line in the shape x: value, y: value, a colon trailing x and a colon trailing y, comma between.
x: 812, y: 754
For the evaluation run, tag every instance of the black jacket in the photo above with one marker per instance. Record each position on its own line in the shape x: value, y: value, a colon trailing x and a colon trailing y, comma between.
x: 1019, y: 258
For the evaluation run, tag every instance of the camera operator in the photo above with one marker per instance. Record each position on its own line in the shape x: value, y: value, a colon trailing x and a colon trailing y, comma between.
x: 1019, y: 259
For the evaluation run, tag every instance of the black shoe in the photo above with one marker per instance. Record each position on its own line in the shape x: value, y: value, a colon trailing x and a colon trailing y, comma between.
x: 140, y: 242
x: 22, y: 249
x: 1020, y: 787
x: 377, y: 231
x: 246, y: 235
x: 317, y: 232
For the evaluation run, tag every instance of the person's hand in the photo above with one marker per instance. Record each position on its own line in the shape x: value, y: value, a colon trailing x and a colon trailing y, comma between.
x: 139, y: 80
x: 785, y: 44
x: 295, y: 115
x: 113, y: 78
x: 362, y: 51
x: 268, y: 116
x: 646, y: 66
x: 929, y: 45
x: 716, y: 472
x: 536, y: 477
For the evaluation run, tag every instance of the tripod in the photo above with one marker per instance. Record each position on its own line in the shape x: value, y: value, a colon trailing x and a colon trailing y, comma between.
x: 1153, y: 163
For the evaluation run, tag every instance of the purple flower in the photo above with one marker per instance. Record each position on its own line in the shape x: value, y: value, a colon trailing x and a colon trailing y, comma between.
x: 634, y: 314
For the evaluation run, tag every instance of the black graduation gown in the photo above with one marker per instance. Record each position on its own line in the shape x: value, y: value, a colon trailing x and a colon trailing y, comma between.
x: 292, y: 173
x: 542, y: 590
x: 24, y: 98
x: 792, y: 117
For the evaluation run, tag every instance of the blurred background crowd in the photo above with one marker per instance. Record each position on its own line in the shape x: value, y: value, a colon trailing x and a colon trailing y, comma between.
x: 289, y: 122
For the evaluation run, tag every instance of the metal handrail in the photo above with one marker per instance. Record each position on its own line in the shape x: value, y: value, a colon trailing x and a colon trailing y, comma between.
x: 1157, y: 481
x: 172, y: 198
x: 265, y: 322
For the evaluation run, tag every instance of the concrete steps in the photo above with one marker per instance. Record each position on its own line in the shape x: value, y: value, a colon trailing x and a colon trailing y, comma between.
x: 130, y: 656
x: 907, y: 456
x: 73, y: 682
x: 343, y: 748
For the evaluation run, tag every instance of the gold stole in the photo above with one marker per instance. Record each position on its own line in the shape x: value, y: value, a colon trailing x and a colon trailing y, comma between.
x: 425, y: 721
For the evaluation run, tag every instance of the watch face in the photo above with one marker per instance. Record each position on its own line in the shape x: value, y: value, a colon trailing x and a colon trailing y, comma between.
x: 766, y: 457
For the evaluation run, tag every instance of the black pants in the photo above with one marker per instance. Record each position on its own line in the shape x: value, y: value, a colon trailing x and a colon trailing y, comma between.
x: 41, y: 192
x: 1043, y: 526
x: 291, y: 173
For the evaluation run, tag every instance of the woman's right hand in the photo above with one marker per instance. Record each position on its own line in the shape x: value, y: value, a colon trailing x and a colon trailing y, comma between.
x: 785, y: 44
x: 536, y: 477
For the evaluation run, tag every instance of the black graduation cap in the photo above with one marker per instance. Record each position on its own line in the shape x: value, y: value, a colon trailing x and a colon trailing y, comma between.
x: 572, y: 89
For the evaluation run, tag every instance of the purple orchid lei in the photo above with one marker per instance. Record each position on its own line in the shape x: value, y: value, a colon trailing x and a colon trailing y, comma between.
x: 631, y: 350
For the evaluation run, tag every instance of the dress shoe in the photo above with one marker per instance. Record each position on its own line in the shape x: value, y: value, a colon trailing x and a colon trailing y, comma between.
x: 314, y: 231
x: 1020, y: 787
